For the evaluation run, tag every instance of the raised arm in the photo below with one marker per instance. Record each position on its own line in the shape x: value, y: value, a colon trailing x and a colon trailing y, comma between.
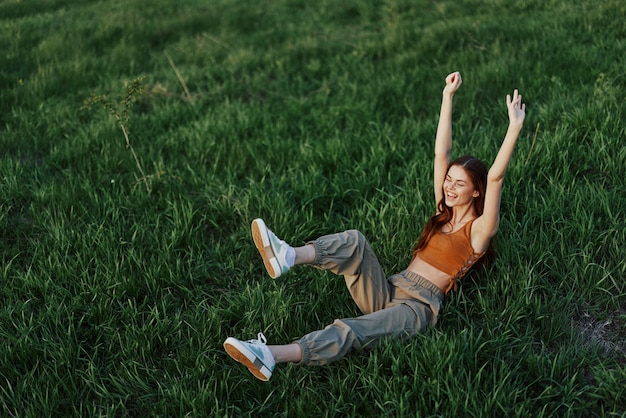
x: 443, y: 140
x: 487, y: 225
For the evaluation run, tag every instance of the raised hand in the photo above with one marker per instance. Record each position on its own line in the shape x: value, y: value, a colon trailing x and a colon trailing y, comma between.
x: 453, y: 82
x: 517, y: 109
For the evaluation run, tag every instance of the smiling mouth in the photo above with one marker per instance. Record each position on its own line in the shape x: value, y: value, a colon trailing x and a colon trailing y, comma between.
x: 451, y: 196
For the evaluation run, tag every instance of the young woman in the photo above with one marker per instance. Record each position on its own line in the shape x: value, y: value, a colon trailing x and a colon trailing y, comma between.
x: 456, y: 237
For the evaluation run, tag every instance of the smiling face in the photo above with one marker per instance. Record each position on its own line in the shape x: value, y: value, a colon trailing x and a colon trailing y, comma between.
x: 458, y: 189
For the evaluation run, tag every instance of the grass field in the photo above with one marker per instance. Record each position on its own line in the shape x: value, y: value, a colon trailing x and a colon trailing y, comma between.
x: 122, y: 276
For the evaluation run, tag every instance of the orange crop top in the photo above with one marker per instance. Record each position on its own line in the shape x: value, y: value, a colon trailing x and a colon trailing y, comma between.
x: 451, y: 253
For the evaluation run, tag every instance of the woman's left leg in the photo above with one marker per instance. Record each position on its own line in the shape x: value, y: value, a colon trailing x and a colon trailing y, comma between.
x: 398, y: 320
x: 363, y: 332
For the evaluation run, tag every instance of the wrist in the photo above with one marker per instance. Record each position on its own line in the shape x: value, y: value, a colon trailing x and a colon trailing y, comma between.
x: 447, y: 95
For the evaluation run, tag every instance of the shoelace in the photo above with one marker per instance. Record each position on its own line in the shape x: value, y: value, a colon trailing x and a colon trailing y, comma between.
x: 260, y: 339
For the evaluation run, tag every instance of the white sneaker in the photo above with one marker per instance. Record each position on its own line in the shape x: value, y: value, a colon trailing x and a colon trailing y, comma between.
x: 253, y: 354
x: 272, y: 249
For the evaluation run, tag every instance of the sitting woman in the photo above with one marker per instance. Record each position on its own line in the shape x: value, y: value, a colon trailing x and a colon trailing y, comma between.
x: 456, y: 238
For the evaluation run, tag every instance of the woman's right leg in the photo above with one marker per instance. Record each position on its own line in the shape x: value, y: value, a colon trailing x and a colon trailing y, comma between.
x: 278, y: 256
x: 305, y: 254
x: 347, y: 254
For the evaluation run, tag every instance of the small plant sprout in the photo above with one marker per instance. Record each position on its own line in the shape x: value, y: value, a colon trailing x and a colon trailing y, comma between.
x: 121, y: 113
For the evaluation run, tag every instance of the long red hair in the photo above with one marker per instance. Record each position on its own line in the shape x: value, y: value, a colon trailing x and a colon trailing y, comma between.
x: 477, y: 172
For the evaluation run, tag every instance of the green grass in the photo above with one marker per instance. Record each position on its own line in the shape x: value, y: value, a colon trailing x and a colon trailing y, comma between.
x: 318, y: 117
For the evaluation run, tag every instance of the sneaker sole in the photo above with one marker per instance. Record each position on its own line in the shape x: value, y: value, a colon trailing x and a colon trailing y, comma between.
x: 262, y: 242
x: 244, y: 356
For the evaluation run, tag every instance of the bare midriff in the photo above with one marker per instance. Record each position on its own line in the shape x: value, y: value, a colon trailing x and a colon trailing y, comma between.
x: 433, y: 275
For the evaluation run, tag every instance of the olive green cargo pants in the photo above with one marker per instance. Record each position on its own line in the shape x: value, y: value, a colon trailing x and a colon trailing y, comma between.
x: 399, y: 306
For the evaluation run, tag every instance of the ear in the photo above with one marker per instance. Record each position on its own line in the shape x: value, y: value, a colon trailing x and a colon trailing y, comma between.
x: 476, y: 193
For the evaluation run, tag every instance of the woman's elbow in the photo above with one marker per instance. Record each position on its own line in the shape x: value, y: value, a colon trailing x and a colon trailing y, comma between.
x: 493, y: 177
